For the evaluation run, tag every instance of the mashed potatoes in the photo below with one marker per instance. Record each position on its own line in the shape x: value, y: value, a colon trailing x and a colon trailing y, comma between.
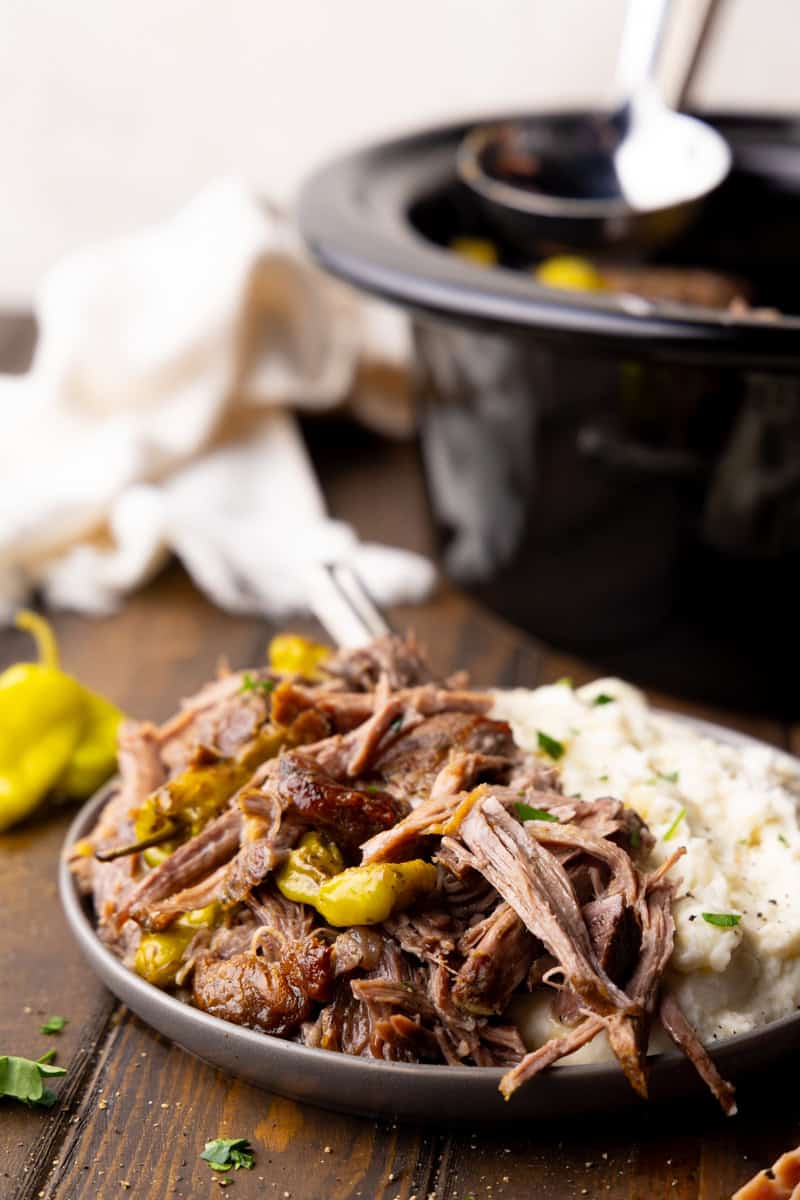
x: 734, y: 807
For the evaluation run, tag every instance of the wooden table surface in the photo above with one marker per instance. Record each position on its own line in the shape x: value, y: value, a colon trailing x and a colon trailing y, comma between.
x: 134, y: 1111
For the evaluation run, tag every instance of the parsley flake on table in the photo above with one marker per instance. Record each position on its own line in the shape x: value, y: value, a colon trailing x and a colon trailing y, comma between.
x: 669, y: 776
x: 549, y: 745
x: 222, y: 1154
x: 602, y: 698
x: 21, y: 1079
x: 722, y: 920
x: 673, y: 829
x: 249, y: 684
x: 54, y: 1024
x: 526, y: 813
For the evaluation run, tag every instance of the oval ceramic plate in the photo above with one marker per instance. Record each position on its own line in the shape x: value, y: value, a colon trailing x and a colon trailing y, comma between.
x: 370, y: 1087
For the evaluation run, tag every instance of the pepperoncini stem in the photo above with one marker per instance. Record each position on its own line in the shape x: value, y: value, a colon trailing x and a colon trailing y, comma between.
x: 42, y: 633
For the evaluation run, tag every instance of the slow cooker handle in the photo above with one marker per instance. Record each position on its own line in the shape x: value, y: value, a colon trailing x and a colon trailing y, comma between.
x: 608, y: 447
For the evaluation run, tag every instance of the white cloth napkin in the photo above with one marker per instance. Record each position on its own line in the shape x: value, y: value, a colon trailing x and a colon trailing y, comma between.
x: 154, y: 417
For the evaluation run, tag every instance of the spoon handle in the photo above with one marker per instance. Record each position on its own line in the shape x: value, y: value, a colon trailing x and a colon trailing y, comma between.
x: 642, y: 37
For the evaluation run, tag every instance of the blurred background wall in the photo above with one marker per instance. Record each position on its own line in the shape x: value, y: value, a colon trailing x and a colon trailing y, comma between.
x: 112, y: 113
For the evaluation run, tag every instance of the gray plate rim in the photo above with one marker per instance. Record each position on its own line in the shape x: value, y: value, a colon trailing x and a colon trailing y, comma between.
x: 329, y: 1078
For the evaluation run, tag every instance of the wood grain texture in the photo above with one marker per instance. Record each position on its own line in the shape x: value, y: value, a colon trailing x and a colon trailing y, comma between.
x: 135, y: 1111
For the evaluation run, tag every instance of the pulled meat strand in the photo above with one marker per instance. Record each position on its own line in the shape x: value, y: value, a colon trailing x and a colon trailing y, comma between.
x: 538, y: 888
x: 549, y: 1053
x: 401, y: 840
x: 539, y: 891
x: 685, y: 1038
x: 498, y: 953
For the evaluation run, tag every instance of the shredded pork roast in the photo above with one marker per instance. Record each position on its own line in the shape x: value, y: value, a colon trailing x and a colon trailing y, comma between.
x: 392, y: 764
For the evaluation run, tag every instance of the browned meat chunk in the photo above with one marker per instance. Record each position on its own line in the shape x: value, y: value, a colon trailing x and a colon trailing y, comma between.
x: 349, y: 815
x: 272, y: 996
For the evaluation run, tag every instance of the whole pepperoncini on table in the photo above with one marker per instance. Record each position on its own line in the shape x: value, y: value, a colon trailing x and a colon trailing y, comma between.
x: 56, y: 736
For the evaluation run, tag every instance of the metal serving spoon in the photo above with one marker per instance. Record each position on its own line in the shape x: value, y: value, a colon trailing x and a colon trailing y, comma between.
x: 582, y: 180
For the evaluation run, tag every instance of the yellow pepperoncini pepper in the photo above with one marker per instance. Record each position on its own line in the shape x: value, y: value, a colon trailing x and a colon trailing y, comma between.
x: 313, y: 874
x: 477, y: 250
x: 291, y: 654
x: 158, y: 955
x: 368, y: 895
x: 313, y: 862
x: 569, y: 272
x: 55, y: 735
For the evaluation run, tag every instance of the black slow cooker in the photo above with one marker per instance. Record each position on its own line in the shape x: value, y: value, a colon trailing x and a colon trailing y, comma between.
x: 617, y: 475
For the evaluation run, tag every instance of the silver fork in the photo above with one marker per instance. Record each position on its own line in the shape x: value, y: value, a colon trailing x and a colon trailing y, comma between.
x: 343, y: 606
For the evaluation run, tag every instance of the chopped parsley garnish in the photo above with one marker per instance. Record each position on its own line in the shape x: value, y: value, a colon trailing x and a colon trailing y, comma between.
x: 673, y: 829
x: 783, y: 841
x: 669, y: 776
x: 249, y: 684
x: 222, y: 1154
x: 722, y: 920
x: 21, y: 1079
x: 602, y: 779
x: 550, y: 746
x: 564, y: 681
x: 602, y: 698
x: 54, y: 1024
x: 526, y: 813
x: 396, y: 725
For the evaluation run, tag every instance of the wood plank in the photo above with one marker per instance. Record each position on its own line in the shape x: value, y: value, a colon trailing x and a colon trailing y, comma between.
x: 163, y: 1105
